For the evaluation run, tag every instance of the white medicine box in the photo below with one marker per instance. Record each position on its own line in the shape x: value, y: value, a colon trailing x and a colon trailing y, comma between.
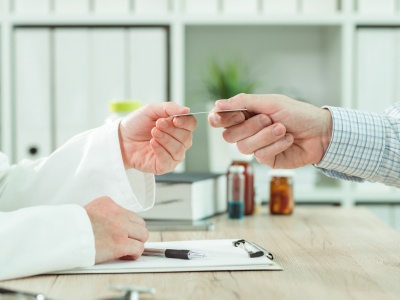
x: 240, y: 7
x: 376, y: 7
x: 319, y: 6
x: 196, y: 7
x: 280, y: 6
x: 188, y: 196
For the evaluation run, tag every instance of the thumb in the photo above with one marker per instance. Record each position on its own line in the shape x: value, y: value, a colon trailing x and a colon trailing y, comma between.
x: 265, y: 104
x: 159, y: 110
x: 166, y: 109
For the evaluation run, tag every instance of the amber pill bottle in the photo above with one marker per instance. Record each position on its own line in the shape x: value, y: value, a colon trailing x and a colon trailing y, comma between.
x: 281, y: 200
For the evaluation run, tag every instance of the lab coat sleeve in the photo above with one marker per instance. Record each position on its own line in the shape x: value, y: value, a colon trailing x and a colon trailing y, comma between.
x: 44, y: 239
x: 87, y: 167
x: 43, y: 226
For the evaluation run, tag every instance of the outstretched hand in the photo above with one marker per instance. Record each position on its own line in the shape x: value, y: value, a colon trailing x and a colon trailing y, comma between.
x: 153, y: 142
x: 280, y: 131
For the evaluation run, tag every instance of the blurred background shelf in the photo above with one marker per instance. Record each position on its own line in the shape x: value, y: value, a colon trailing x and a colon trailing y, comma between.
x: 326, y: 52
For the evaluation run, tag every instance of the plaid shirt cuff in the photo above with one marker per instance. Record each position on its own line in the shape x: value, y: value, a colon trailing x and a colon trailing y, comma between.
x: 357, y: 145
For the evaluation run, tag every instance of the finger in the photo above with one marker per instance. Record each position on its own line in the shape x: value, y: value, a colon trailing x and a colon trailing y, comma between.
x: 131, y: 250
x: 174, y: 147
x: 185, y: 122
x: 164, y: 162
x: 263, y: 138
x: 246, y: 129
x: 155, y: 111
x: 182, y: 135
x: 267, y: 104
x: 134, y: 218
x: 267, y: 155
x: 138, y: 232
x: 228, y: 119
x: 166, y: 109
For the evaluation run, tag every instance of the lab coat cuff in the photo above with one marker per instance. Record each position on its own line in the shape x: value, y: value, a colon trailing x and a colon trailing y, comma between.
x: 137, y: 188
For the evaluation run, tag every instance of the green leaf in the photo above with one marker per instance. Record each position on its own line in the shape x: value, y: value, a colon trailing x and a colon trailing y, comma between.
x: 227, y: 80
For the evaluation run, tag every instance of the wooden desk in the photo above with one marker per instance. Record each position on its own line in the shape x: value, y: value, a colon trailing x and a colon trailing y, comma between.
x: 326, y: 253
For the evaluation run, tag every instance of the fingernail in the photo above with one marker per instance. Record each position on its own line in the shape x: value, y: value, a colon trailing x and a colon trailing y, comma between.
x: 237, y: 118
x: 289, y: 138
x: 178, y: 121
x: 278, y: 130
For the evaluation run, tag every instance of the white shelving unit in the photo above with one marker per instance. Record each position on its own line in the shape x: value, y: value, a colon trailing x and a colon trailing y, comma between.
x: 308, y: 56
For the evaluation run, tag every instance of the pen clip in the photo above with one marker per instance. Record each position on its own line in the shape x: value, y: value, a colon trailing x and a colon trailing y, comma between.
x: 256, y: 250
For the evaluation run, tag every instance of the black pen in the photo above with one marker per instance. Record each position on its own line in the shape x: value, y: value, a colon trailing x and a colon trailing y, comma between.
x: 172, y: 253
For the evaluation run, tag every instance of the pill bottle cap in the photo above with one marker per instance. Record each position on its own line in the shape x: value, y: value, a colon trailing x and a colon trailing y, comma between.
x: 281, y: 173
x: 120, y: 106
x: 236, y: 169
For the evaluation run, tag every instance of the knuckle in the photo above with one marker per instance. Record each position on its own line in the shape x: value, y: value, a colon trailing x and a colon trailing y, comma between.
x: 248, y: 128
x: 260, y: 157
x: 179, y: 152
x: 242, y: 148
x: 189, y: 144
x: 227, y: 135
x: 141, y: 220
x: 264, y: 120
x: 240, y: 97
x: 118, y: 246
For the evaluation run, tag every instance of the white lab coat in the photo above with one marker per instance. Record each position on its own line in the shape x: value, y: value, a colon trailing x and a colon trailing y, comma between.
x: 43, y: 226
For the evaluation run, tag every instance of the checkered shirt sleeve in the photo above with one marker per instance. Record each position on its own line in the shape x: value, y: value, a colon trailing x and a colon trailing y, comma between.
x: 364, y: 146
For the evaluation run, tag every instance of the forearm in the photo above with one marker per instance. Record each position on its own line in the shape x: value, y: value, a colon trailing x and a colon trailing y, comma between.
x: 45, y: 239
x: 364, y: 146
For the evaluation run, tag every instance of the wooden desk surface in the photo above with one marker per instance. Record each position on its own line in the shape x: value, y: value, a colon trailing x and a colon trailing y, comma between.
x: 326, y: 253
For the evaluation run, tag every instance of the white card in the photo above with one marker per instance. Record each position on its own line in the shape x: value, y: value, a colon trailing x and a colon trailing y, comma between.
x: 207, y: 112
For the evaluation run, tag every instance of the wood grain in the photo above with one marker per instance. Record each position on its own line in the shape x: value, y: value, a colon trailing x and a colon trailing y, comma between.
x: 326, y: 253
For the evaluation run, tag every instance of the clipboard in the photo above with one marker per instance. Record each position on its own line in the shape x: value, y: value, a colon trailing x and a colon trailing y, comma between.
x: 221, y: 255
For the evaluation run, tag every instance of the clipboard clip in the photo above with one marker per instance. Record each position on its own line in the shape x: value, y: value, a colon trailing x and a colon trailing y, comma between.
x: 253, y: 249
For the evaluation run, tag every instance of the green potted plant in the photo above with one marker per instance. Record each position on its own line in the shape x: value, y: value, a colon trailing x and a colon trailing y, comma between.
x: 228, y: 79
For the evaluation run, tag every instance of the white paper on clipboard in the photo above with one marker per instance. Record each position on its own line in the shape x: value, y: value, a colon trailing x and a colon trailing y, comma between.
x: 221, y: 255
